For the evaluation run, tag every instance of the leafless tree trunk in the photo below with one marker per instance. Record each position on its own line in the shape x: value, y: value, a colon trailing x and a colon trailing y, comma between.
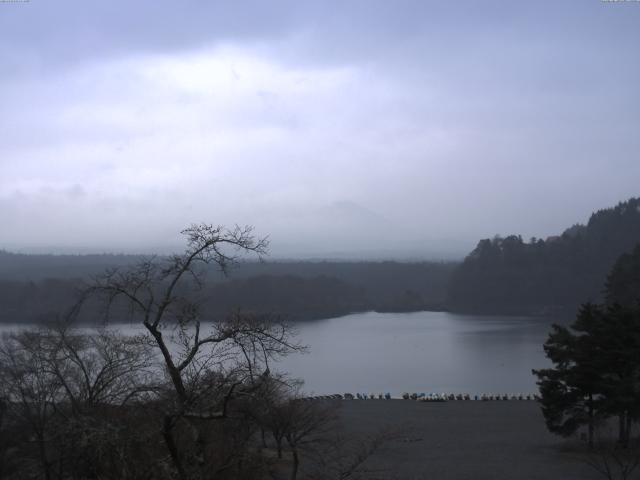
x: 207, y: 367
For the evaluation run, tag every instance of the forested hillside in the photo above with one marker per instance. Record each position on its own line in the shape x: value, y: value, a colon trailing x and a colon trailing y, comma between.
x: 510, y: 275
x: 36, y: 287
x: 36, y: 267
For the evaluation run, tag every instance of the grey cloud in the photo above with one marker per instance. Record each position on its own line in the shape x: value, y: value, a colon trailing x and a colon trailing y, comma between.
x: 349, y: 123
x: 73, y: 30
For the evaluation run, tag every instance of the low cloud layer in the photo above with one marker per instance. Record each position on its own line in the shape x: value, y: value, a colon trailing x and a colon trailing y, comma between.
x: 355, y: 129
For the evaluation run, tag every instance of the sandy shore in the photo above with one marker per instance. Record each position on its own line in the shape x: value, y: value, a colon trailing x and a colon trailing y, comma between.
x: 463, y: 440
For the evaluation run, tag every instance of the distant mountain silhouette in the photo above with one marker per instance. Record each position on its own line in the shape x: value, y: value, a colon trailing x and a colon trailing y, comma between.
x: 509, y: 275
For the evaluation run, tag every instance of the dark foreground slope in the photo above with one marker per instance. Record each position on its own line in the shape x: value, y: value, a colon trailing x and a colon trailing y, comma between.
x: 463, y: 440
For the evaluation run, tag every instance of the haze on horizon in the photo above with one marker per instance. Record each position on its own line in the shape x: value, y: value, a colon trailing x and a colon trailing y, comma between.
x: 340, y: 129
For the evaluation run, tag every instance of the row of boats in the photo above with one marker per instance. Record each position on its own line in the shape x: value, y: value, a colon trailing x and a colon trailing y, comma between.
x: 444, y: 397
x: 429, y: 397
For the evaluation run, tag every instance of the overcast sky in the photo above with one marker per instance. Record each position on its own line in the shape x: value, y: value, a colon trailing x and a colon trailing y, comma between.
x: 396, y: 129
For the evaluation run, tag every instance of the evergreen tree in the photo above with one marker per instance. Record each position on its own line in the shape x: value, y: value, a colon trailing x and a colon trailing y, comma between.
x: 570, y: 391
x: 618, y: 364
x: 596, y: 372
x: 623, y: 283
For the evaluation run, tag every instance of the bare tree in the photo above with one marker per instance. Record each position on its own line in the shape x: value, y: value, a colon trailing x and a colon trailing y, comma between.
x: 186, y: 398
x: 309, y: 430
x: 207, y: 365
x: 30, y: 390
x: 104, y: 367
x: 4, y: 441
x: 64, y: 390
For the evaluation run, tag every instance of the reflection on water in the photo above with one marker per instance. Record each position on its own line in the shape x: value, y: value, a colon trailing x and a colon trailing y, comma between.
x: 421, y: 352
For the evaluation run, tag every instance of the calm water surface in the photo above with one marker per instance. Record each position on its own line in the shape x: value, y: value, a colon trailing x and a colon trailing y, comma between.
x: 417, y: 352
x: 422, y: 352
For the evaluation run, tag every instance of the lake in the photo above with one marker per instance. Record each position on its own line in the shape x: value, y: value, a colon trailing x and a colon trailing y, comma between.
x: 421, y: 352
x: 418, y: 352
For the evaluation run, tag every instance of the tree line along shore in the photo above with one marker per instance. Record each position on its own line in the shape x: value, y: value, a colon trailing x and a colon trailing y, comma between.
x: 502, y: 275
